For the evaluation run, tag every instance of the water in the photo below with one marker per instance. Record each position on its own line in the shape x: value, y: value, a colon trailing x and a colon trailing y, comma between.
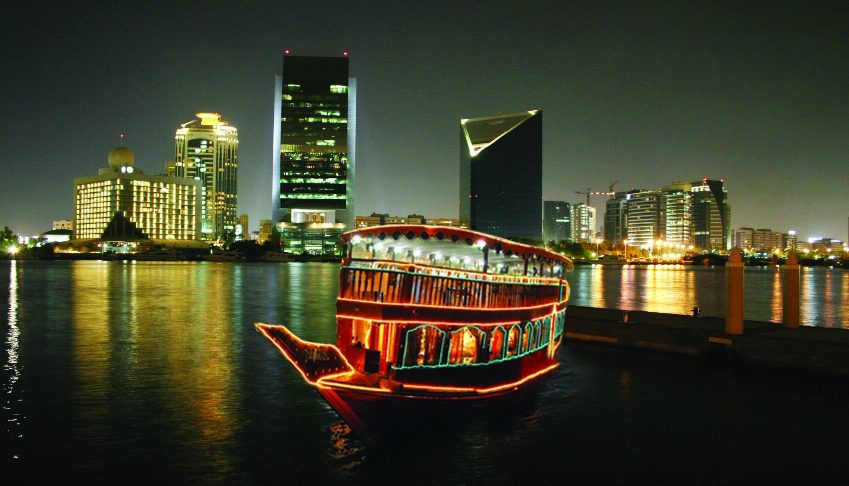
x: 152, y: 372
x: 676, y: 289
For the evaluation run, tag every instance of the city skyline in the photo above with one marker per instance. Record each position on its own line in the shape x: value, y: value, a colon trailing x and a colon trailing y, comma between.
x: 754, y: 96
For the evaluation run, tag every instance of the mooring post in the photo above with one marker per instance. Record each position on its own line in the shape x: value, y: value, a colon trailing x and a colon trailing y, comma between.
x: 734, y: 284
x: 790, y: 297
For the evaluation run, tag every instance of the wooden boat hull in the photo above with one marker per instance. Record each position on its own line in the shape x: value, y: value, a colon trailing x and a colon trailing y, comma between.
x: 372, y: 403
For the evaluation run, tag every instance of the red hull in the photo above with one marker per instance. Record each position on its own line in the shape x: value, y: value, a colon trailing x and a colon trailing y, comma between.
x: 368, y: 403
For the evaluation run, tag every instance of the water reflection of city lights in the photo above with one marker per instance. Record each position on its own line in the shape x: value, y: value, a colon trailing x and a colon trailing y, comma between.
x: 11, y: 403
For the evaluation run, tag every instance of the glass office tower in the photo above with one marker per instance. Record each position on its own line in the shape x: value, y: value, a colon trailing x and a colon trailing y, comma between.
x: 711, y: 215
x: 501, y: 174
x: 314, y: 149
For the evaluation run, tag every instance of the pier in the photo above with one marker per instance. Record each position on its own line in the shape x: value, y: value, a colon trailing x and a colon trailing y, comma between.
x: 806, y: 348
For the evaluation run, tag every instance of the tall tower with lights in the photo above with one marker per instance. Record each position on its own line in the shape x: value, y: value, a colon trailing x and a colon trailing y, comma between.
x: 313, y: 162
x: 501, y: 174
x: 207, y: 150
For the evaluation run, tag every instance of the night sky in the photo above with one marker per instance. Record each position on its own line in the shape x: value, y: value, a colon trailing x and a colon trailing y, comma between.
x: 639, y: 94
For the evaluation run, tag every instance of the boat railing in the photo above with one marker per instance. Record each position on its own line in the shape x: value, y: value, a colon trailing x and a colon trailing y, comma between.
x: 401, y: 287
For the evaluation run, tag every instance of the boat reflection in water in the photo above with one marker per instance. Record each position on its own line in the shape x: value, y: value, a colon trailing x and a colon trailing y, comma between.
x: 431, y: 317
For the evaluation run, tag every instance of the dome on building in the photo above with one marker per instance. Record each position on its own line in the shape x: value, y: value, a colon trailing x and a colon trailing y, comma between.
x: 121, y: 156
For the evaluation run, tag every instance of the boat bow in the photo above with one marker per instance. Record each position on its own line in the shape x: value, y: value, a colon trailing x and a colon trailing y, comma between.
x: 313, y: 360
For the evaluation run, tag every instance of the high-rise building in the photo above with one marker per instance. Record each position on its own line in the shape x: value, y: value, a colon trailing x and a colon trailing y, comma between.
x: 791, y: 241
x: 711, y: 215
x: 556, y: 221
x: 644, y: 221
x: 207, y: 150
x: 616, y: 218
x: 159, y: 207
x: 501, y: 174
x: 314, y: 150
x: 582, y: 223
x: 243, y: 232
x: 676, y: 214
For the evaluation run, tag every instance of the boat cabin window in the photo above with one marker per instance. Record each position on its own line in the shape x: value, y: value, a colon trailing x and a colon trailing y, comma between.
x: 513, y: 340
x: 527, y: 338
x: 466, y: 345
x: 496, y: 343
x: 423, y: 346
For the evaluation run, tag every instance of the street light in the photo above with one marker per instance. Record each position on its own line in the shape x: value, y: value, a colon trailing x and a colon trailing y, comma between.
x: 13, y: 250
x: 597, y: 242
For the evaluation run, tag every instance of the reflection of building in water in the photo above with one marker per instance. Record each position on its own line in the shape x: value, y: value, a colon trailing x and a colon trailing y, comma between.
x: 129, y: 334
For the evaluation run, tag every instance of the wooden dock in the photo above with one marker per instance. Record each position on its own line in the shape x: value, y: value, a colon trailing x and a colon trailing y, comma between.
x: 816, y: 349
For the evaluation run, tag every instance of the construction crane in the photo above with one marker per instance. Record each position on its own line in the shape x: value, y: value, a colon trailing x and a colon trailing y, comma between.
x: 589, y: 192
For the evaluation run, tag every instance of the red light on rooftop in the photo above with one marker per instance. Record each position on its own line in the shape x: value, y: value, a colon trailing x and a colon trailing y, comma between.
x: 287, y: 51
x: 345, y: 53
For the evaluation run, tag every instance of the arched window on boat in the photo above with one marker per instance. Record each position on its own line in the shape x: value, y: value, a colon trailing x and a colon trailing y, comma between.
x: 496, y: 343
x: 546, y: 331
x: 558, y: 324
x: 467, y: 343
x: 423, y: 346
x: 527, y: 337
x: 513, y: 338
x: 537, y: 335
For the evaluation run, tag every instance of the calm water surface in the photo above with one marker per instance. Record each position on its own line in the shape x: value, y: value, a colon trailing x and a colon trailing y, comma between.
x: 676, y: 289
x: 152, y: 372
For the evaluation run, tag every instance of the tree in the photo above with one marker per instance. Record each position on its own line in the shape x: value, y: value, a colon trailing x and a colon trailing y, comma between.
x: 7, y: 239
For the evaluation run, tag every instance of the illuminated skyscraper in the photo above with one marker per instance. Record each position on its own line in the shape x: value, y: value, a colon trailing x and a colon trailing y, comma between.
x: 314, y: 151
x: 711, y: 215
x: 159, y: 207
x: 501, y: 174
x: 207, y: 150
x: 676, y: 213
x: 583, y: 223
x: 645, y: 225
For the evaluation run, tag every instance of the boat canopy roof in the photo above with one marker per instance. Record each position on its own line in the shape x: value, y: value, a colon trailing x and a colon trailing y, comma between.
x: 450, y: 247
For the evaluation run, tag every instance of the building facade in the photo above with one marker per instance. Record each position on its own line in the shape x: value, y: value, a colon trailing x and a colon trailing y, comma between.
x: 556, y: 221
x: 501, y: 174
x: 207, y: 150
x: 314, y: 158
x: 676, y: 215
x: 266, y: 231
x: 160, y: 207
x: 583, y: 223
x: 616, y: 218
x: 63, y: 224
x: 243, y: 232
x: 644, y: 218
x: 711, y: 215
